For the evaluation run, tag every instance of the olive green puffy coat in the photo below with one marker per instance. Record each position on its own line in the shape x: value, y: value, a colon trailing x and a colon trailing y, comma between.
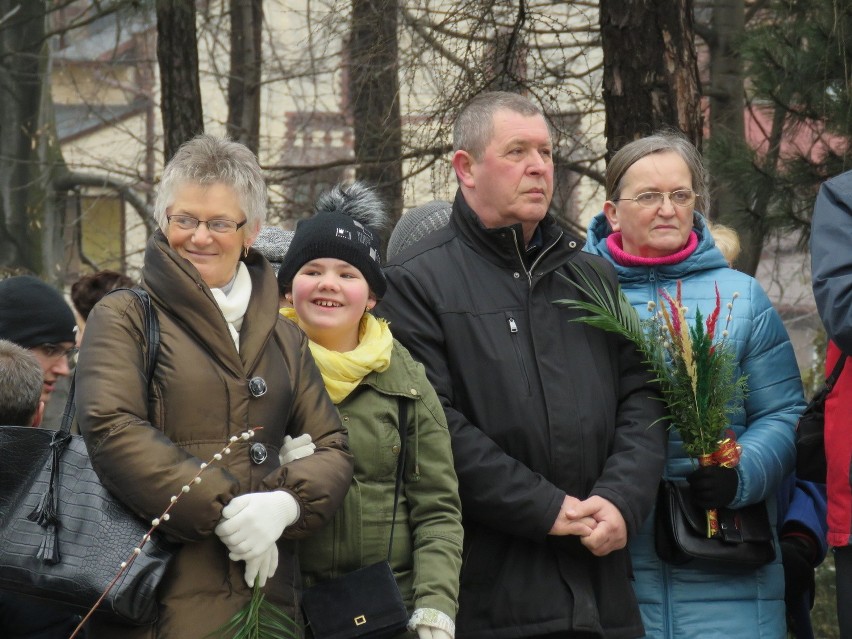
x: 427, y: 540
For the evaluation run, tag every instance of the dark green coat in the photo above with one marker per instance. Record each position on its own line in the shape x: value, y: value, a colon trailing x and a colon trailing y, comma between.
x: 428, y: 534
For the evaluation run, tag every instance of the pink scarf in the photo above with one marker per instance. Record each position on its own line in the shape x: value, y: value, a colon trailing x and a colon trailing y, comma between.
x: 616, y: 249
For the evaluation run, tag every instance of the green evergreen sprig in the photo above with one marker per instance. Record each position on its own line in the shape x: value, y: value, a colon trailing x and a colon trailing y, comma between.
x: 259, y: 619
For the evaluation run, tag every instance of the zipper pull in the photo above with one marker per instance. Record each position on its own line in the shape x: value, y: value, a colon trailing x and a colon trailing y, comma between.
x: 513, y: 327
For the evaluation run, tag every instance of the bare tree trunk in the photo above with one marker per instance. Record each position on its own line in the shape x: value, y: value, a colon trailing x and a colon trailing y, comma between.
x: 753, y: 238
x: 177, y: 54
x: 509, y: 55
x: 30, y: 228
x: 244, y: 77
x: 650, y: 69
x: 727, y: 97
x: 374, y: 97
x: 727, y: 113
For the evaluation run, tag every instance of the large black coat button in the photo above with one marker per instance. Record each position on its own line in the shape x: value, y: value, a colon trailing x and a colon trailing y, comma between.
x: 257, y: 387
x: 258, y: 453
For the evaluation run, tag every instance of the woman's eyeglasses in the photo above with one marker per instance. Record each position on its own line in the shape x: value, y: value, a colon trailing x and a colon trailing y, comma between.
x: 189, y: 223
x: 653, y: 199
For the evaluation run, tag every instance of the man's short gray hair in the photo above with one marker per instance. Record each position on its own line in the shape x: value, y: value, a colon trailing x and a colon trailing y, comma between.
x: 21, y: 381
x: 206, y: 160
x: 667, y: 140
x: 474, y: 126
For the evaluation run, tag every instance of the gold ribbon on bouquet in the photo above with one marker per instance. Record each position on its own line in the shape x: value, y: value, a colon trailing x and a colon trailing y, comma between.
x: 727, y: 455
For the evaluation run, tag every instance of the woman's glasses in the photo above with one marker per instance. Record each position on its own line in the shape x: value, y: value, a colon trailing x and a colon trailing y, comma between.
x: 653, y: 199
x: 189, y: 223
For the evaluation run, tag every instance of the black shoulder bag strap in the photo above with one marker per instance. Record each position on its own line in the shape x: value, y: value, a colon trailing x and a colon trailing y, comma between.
x: 151, y: 328
x: 818, y: 400
x: 831, y: 380
x: 46, y: 512
x: 400, y: 465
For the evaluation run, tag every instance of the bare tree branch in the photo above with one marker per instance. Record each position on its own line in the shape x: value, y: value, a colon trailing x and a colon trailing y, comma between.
x: 71, y: 180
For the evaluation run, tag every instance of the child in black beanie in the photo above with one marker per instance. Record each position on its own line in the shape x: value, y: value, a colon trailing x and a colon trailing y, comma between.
x: 331, y: 278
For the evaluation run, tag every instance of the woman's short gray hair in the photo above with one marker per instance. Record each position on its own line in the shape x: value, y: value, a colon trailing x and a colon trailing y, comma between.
x: 475, y: 124
x: 207, y: 160
x: 668, y: 140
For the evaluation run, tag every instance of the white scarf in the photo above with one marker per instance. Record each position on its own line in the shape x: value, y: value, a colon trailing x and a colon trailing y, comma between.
x: 234, y: 303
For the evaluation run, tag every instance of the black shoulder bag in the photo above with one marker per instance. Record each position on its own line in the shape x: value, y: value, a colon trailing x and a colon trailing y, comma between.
x: 810, y: 431
x: 63, y: 536
x: 680, y: 531
x: 365, y: 603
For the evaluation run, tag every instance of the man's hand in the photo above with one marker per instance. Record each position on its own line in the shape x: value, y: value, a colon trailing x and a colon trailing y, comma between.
x: 610, y: 530
x: 570, y: 525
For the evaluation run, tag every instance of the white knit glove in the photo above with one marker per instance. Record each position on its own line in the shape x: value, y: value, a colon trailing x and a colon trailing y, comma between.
x: 253, y: 522
x: 427, y: 632
x: 297, y: 448
x: 432, y: 624
x: 262, y: 567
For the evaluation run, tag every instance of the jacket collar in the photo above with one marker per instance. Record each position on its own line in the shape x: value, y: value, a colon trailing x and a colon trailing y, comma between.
x: 177, y: 288
x: 706, y: 255
x: 503, y: 246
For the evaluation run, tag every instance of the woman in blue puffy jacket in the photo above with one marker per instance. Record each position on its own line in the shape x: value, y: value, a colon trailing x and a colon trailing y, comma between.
x: 650, y: 231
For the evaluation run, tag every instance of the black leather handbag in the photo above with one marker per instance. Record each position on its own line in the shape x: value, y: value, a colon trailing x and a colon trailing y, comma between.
x: 365, y: 603
x: 63, y: 536
x: 810, y: 431
x: 680, y: 531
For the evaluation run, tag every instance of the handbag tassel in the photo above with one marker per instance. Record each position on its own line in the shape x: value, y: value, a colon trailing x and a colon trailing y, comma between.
x: 46, y: 514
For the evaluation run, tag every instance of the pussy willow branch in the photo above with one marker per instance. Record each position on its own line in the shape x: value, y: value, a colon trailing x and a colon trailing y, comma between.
x: 125, y: 565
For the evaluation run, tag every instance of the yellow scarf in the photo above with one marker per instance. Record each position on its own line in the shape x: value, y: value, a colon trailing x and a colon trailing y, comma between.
x: 342, y: 372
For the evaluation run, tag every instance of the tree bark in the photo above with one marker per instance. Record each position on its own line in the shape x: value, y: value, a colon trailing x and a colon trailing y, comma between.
x: 177, y: 54
x: 374, y: 98
x: 245, y: 73
x: 727, y: 122
x: 31, y: 229
x: 650, y: 75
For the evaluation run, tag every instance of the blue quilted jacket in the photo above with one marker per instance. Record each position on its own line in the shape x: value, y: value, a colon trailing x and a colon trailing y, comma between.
x: 684, y: 602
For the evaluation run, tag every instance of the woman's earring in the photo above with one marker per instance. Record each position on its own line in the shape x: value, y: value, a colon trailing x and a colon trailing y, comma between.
x: 245, y: 252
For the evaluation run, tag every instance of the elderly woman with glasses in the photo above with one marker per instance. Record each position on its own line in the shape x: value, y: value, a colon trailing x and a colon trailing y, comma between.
x: 652, y: 233
x: 227, y: 364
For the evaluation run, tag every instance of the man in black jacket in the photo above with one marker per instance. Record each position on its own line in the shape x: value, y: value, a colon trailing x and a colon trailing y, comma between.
x: 557, y: 433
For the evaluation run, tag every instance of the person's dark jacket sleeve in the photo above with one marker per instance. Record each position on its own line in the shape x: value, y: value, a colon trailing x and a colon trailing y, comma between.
x: 639, y: 441
x: 831, y: 258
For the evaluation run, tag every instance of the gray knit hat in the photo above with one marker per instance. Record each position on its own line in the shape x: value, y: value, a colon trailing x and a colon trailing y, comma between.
x: 417, y: 223
x: 272, y: 242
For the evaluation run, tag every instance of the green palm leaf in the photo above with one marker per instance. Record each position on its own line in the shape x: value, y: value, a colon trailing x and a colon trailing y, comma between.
x: 698, y: 412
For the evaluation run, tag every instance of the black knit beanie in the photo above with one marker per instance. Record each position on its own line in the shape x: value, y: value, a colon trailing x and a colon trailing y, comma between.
x: 344, y: 227
x: 33, y: 313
